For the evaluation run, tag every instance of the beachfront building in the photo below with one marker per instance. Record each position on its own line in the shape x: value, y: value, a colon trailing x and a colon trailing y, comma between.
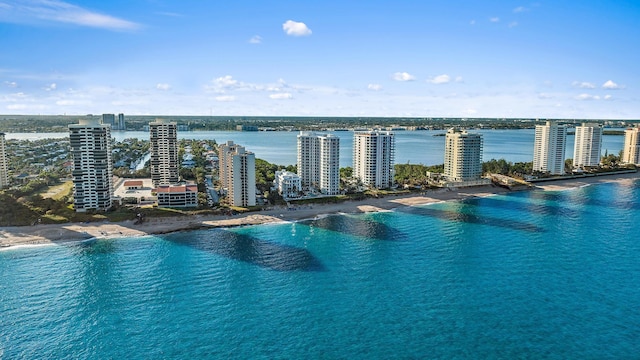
x: 177, y: 196
x: 92, y: 178
x: 631, y: 149
x: 588, y: 145
x: 548, y: 149
x: 462, y: 156
x: 373, y: 158
x: 319, y: 162
x: 238, y: 174
x: 288, y: 184
x: 164, y: 152
x: 4, y: 172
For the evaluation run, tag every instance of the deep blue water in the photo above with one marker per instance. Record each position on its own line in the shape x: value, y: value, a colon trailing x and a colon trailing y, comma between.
x: 415, y: 147
x: 524, y: 275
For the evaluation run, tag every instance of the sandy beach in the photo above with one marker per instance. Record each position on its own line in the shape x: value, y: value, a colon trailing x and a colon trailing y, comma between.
x: 62, y: 233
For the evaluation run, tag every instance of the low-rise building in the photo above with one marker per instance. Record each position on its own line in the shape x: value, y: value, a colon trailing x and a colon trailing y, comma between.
x: 177, y: 196
x: 288, y: 184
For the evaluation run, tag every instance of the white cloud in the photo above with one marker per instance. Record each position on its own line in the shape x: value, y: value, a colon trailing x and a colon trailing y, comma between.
x: 583, y: 85
x: 34, y: 11
x: 494, y: 19
x: 459, y: 79
x: 403, y: 76
x: 226, y: 81
x: 225, y: 98
x: 513, y: 24
x: 11, y: 84
x: 440, y: 79
x: 611, y: 85
x: 295, y: 28
x: 587, y: 97
x: 163, y: 87
x: 374, y: 87
x: 544, y: 96
x: 16, y: 106
x: 257, y: 39
x: 51, y: 87
x: 520, y: 9
x: 607, y: 97
x: 281, y: 96
x: 470, y: 111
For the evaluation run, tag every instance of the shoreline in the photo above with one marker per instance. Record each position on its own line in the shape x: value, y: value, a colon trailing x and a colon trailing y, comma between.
x: 57, y: 234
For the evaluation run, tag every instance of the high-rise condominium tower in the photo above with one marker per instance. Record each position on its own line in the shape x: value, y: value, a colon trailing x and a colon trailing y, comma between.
x: 238, y: 174
x: 164, y: 152
x: 121, y: 124
x: 373, y: 157
x: 4, y: 173
x: 319, y: 162
x: 631, y: 150
x: 548, y: 148
x: 109, y: 119
x: 92, y: 178
x: 588, y: 145
x: 462, y: 156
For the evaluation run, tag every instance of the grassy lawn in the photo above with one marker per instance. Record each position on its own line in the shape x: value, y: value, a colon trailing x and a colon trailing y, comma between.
x: 57, y: 192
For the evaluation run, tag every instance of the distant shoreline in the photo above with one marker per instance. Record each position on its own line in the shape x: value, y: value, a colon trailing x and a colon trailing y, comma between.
x: 20, y: 236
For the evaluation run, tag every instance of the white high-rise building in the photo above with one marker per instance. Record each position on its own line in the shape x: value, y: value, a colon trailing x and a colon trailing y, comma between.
x: 92, y: 168
x: 238, y: 174
x: 373, y: 158
x: 588, y: 145
x: 319, y: 162
x: 4, y: 171
x: 631, y: 149
x: 548, y: 149
x: 462, y: 156
x: 164, y: 152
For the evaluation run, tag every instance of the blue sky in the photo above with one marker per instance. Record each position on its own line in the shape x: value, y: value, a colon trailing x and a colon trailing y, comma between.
x: 547, y: 59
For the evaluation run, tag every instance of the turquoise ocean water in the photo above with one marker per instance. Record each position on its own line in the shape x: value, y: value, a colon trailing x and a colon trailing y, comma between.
x: 523, y: 275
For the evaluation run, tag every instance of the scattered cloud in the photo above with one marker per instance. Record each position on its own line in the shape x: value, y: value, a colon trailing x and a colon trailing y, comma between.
x: 472, y: 22
x: 37, y: 11
x: 403, y: 76
x: 494, y: 19
x: 470, y: 111
x: 11, y: 84
x: 583, y: 85
x: 16, y: 106
x: 281, y: 96
x: 610, y: 85
x: 440, y: 79
x: 513, y: 24
x: 520, y: 9
x: 587, y: 97
x: 163, y: 87
x: 226, y: 81
x: 295, y: 28
x: 257, y: 39
x: 544, y: 96
x: 459, y: 79
x: 225, y: 98
x: 607, y: 97
x: 374, y: 87
x: 51, y: 87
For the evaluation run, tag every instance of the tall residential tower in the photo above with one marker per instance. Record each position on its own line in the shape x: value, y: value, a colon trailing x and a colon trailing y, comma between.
x: 4, y: 173
x: 373, y: 158
x: 92, y: 168
x: 588, y: 145
x: 462, y: 156
x: 548, y: 149
x: 319, y: 162
x: 631, y: 149
x: 164, y: 152
x: 238, y: 174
